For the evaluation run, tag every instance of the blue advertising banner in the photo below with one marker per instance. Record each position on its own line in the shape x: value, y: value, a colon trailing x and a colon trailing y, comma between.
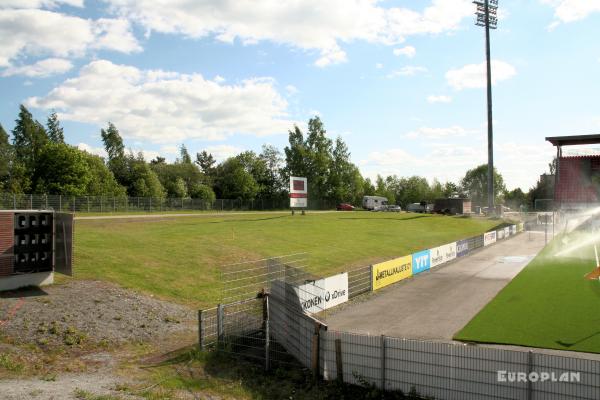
x: 421, y: 261
x: 462, y: 248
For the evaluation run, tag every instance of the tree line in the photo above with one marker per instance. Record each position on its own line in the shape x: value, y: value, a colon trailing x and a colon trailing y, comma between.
x: 37, y: 160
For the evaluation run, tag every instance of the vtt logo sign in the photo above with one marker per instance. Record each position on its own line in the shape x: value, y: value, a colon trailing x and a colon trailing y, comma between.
x: 421, y: 261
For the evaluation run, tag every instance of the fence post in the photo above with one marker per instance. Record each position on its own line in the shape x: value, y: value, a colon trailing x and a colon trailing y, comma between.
x: 200, y: 330
x: 14, y: 201
x: 529, y: 370
x: 46, y: 202
x: 382, y: 362
x: 88, y: 203
x: 220, y: 325
x: 60, y: 202
x: 316, y: 351
x: 150, y: 204
x: 339, y: 364
x: 31, y: 202
x: 370, y: 278
x: 267, y: 333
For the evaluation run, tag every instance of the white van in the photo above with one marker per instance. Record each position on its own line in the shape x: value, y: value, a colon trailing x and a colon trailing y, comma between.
x: 374, y: 202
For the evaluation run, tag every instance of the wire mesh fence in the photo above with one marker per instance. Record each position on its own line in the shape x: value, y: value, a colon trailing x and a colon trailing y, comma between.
x: 359, y: 281
x: 246, y: 280
x: 110, y: 204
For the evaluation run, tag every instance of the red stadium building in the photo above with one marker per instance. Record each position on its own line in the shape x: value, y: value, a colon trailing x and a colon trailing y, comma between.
x: 577, y: 179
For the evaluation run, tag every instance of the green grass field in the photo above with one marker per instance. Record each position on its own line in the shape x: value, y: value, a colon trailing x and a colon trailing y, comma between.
x: 549, y: 304
x: 179, y: 258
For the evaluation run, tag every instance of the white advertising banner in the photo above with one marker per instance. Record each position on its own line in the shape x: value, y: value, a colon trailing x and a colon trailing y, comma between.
x: 323, y: 293
x: 513, y: 229
x: 489, y: 238
x: 298, y: 202
x: 500, y: 234
x: 442, y: 254
x: 506, y: 232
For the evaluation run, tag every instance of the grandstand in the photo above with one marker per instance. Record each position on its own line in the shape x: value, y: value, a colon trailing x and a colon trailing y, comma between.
x: 577, y: 179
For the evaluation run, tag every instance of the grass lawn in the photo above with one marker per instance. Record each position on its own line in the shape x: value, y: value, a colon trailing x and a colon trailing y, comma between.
x: 179, y: 258
x: 549, y: 304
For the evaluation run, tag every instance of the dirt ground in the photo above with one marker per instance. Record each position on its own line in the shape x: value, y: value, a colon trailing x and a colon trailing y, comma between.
x: 79, y: 340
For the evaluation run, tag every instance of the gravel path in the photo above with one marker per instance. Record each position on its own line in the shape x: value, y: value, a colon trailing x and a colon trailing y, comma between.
x: 88, y: 312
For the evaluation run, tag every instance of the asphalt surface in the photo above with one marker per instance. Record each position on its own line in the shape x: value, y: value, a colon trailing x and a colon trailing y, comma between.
x: 438, y: 303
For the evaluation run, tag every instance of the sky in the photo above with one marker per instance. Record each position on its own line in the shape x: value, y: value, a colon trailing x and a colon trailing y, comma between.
x: 402, y: 82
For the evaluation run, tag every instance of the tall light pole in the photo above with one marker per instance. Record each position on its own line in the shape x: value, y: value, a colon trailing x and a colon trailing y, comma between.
x: 487, y: 17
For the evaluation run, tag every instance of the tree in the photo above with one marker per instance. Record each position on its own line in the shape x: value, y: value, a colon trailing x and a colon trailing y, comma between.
x: 319, y: 158
x: 233, y: 181
x: 62, y: 169
x: 5, y: 159
x: 55, y: 131
x: 475, y: 185
x: 29, y: 138
x: 412, y: 190
x: 143, y: 180
x: 342, y: 177
x: 113, y: 144
x: 102, y: 181
x: 203, y: 192
x: 515, y: 199
x: 206, y: 162
x: 295, y: 155
x: 272, y: 182
x: 185, y: 156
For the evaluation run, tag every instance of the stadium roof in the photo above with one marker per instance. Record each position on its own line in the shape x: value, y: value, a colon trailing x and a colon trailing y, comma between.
x: 574, y: 140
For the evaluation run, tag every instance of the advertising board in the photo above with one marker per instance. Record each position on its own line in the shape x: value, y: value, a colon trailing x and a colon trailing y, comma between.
x: 392, y: 271
x: 323, y: 293
x: 421, y: 261
x: 462, y: 248
x: 489, y: 238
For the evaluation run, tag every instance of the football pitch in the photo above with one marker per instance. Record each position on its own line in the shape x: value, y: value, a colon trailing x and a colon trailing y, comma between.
x: 179, y: 258
x: 549, y: 304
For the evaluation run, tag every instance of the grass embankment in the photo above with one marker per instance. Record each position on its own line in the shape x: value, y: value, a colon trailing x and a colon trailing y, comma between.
x: 179, y: 258
x: 549, y: 304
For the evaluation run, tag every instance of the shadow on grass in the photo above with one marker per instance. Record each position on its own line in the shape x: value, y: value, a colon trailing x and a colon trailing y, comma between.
x: 568, y: 345
x: 249, y: 220
x: 228, y: 375
x: 29, y: 291
x: 392, y: 219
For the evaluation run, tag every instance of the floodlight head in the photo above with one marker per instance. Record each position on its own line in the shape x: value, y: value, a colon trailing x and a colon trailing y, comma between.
x: 492, y: 11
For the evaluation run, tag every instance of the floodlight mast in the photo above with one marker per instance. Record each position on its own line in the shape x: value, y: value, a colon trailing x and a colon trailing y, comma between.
x: 488, y: 18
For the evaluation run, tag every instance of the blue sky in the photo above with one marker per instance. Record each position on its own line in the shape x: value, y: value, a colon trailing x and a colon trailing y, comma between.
x: 401, y: 81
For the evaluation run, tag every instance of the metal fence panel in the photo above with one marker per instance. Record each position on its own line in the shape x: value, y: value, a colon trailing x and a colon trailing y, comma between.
x: 359, y: 281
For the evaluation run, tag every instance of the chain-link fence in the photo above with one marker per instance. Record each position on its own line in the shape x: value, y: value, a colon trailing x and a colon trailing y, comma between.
x: 109, y: 204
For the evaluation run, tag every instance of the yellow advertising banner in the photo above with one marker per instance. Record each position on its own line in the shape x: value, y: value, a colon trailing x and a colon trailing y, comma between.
x: 392, y: 271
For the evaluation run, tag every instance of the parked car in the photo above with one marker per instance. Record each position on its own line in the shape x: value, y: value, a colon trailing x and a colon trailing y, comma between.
x: 421, y: 207
x: 344, y: 207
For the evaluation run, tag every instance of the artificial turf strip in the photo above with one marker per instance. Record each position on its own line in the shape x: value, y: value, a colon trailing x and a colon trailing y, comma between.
x: 179, y: 258
x: 549, y: 304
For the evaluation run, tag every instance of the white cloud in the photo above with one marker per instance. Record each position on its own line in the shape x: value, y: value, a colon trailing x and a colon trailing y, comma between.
x: 313, y: 25
x: 439, y: 99
x: 169, y: 149
x: 572, y: 10
x: 99, y: 151
x: 291, y: 90
x: 425, y: 132
x: 39, y: 3
x: 223, y: 151
x: 40, y: 69
x: 165, y: 106
x: 219, y: 79
x: 407, y: 51
x: 409, y: 70
x: 34, y: 32
x: 380, y: 65
x: 474, y: 75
